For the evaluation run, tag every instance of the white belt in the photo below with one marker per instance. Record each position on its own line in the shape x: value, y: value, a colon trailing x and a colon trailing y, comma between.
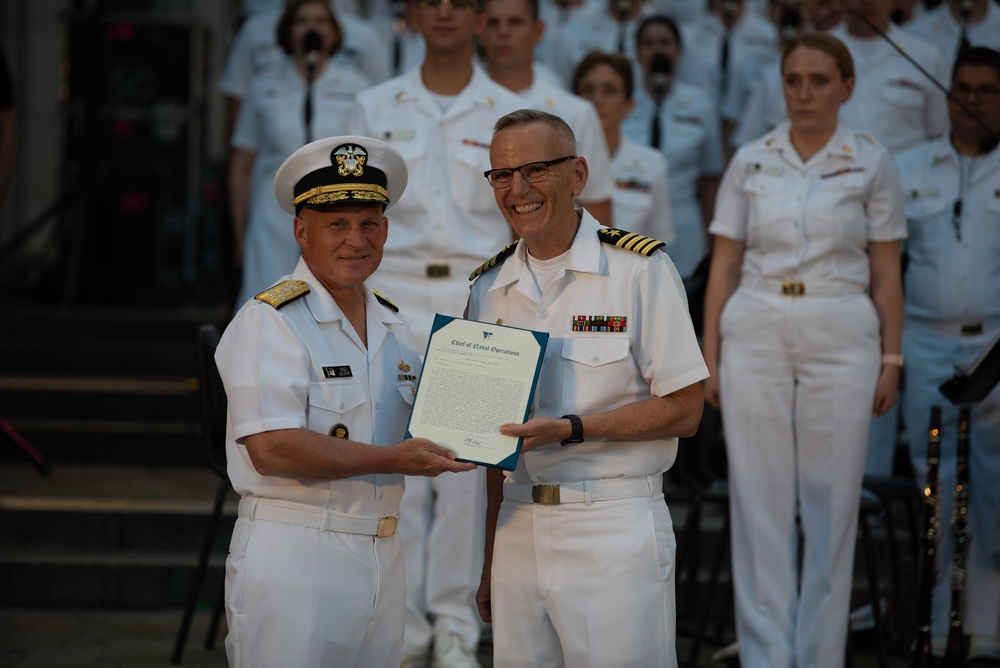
x: 802, y: 288
x: 452, y: 267
x: 583, y: 492
x: 970, y: 327
x: 287, y: 512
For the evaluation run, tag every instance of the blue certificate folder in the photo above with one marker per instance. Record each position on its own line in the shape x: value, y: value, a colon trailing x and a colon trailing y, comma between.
x: 476, y: 376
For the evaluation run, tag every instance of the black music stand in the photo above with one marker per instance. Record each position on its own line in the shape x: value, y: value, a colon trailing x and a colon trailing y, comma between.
x: 976, y: 379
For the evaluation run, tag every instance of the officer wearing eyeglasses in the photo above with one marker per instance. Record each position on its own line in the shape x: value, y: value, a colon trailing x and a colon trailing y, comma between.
x: 951, y: 314
x: 579, y: 560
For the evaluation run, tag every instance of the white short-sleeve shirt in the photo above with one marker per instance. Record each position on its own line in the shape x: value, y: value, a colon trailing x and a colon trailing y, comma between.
x: 641, y: 202
x: 953, y: 273
x: 810, y: 221
x: 652, y: 352
x: 303, y: 367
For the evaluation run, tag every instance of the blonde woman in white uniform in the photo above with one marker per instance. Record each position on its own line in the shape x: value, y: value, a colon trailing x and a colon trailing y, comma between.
x: 802, y: 337
x: 640, y: 202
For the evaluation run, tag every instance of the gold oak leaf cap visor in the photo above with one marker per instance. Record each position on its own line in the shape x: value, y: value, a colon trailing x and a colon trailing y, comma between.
x: 340, y: 170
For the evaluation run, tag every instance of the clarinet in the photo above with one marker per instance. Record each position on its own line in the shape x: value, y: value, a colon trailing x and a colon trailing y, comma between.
x: 922, y: 657
x: 955, y: 654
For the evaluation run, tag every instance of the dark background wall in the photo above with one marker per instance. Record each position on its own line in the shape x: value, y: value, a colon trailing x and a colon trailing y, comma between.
x: 118, y: 194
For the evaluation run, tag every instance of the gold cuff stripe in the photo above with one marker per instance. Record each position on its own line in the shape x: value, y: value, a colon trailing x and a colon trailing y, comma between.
x: 340, y: 191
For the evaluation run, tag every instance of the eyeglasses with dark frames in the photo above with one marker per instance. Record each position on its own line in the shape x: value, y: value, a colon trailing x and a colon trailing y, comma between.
x: 533, y: 172
x: 984, y: 93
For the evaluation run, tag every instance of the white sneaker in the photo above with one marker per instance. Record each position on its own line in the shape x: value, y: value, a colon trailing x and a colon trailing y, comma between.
x: 984, y: 649
x: 450, y: 651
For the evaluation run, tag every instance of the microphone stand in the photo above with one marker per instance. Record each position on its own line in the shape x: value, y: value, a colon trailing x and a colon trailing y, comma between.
x: 989, y: 144
x: 965, y: 13
x: 621, y: 15
x: 312, y: 44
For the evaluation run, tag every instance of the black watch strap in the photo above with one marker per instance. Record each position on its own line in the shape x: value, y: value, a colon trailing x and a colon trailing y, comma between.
x: 576, y: 435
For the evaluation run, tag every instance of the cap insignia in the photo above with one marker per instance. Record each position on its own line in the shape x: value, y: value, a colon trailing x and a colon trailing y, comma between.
x: 350, y: 160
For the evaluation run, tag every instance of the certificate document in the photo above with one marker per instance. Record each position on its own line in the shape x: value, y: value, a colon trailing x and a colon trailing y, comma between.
x: 476, y: 376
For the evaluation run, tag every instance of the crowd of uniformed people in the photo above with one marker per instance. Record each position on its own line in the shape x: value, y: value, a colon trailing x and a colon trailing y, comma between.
x: 818, y: 193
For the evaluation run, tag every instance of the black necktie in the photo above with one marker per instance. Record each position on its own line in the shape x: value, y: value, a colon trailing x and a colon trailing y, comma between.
x: 307, y: 112
x: 655, y: 133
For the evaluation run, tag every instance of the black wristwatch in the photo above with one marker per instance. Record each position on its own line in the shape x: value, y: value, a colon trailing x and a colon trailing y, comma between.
x: 576, y: 435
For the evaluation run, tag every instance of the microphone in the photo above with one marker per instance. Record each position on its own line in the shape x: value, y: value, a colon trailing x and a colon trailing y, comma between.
x: 789, y: 24
x: 729, y: 9
x: 312, y: 46
x: 661, y: 71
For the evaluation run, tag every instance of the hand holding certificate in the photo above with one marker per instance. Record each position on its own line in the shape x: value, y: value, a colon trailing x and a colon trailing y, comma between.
x: 476, y: 376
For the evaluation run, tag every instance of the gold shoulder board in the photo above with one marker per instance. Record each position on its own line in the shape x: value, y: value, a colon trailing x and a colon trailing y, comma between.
x: 629, y: 241
x: 385, y: 301
x: 497, y: 259
x: 284, y: 293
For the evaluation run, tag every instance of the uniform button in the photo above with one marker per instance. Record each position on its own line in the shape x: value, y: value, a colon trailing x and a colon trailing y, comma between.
x: 540, y: 478
x: 342, y: 404
x: 376, y: 405
x: 544, y: 315
x: 381, y: 495
x: 542, y: 404
x: 595, y: 358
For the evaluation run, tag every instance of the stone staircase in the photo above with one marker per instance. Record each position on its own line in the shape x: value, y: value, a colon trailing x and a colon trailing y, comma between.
x: 109, y: 396
x: 103, y: 385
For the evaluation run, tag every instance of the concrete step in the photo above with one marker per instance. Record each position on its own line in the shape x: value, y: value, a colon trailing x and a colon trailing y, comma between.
x: 103, y: 384
x: 109, y: 537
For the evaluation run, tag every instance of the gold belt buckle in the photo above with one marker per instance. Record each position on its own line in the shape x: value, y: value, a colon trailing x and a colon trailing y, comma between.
x: 547, y: 495
x: 794, y: 288
x: 438, y: 271
x: 972, y: 329
x: 386, y: 527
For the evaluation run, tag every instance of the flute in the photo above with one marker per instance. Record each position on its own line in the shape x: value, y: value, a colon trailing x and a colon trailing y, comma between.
x: 922, y: 657
x: 955, y: 652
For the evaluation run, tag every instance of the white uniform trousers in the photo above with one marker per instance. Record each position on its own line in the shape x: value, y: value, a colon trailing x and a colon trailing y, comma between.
x: 584, y: 585
x: 441, y: 525
x: 797, y: 377
x: 345, y: 588
x: 441, y: 522
x: 930, y: 359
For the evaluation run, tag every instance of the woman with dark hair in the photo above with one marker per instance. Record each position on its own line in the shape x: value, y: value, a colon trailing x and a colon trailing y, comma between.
x: 640, y: 201
x: 803, y: 318
x: 681, y: 121
x: 305, y: 97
